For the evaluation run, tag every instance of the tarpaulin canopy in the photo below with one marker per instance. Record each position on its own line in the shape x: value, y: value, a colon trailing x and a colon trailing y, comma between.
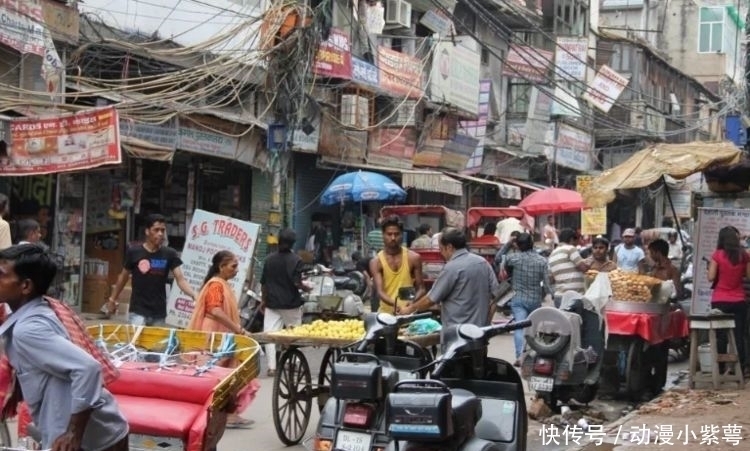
x: 652, y: 163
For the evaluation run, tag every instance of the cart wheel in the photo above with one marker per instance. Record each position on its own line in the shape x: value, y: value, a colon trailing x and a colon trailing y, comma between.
x: 326, y: 374
x: 635, y: 372
x: 292, y: 398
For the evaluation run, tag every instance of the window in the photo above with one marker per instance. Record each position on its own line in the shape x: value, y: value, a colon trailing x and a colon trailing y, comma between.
x: 519, y: 97
x: 711, y: 24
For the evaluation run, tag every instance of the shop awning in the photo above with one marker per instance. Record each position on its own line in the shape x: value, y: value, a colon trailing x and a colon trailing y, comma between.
x: 504, y: 190
x: 421, y: 179
x: 138, y: 148
x: 434, y: 181
x: 523, y: 184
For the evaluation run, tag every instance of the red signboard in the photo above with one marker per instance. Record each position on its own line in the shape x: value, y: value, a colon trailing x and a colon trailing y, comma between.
x: 400, y: 74
x: 528, y: 63
x: 393, y: 147
x: 68, y: 142
x: 334, y: 57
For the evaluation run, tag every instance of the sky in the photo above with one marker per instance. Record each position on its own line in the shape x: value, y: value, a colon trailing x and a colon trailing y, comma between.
x: 188, y: 22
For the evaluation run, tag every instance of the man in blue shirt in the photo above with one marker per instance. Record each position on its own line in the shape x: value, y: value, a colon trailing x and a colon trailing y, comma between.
x: 61, y: 383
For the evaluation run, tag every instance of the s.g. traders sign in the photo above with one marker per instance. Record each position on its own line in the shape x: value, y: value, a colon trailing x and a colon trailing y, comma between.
x: 208, y: 234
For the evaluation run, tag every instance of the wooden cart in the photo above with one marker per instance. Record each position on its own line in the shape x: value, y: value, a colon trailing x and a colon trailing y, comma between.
x: 293, y: 388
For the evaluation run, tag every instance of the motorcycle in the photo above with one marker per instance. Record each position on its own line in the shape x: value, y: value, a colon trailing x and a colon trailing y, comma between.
x: 251, y: 319
x: 564, y: 352
x: 332, y: 295
x: 471, y: 402
x: 354, y: 414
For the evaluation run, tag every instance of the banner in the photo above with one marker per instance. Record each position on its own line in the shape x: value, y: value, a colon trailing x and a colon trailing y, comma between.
x: 400, y: 74
x: 68, y: 142
x: 208, y: 234
x: 593, y: 220
x: 605, y: 88
x: 334, y: 56
x: 528, y: 63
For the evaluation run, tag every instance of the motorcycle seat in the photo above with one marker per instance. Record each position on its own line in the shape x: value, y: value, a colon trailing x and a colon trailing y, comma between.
x: 466, y: 406
x: 339, y: 281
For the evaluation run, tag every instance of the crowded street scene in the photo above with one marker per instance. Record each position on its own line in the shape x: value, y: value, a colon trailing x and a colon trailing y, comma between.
x: 377, y: 225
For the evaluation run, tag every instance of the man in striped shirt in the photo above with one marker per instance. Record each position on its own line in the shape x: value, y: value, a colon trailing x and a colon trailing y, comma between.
x: 567, y: 266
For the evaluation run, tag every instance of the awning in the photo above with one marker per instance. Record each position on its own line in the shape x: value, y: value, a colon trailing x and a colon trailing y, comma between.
x: 138, y: 148
x: 505, y: 191
x: 522, y: 184
x: 420, y: 179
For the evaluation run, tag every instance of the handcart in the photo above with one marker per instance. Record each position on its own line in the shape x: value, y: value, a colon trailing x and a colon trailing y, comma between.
x: 175, y: 387
x: 293, y: 388
x: 637, y: 349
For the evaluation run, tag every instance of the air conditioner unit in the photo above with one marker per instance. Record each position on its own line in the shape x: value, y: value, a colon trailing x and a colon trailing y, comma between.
x: 397, y: 14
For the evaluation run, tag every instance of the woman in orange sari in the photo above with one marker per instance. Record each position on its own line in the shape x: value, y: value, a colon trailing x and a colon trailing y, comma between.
x: 216, y: 310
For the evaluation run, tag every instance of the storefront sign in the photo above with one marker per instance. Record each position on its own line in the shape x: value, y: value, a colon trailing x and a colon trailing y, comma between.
x: 455, y: 74
x: 570, y: 58
x: 593, y: 220
x: 573, y: 149
x: 528, y: 63
x: 208, y: 234
x: 365, y: 73
x: 706, y: 234
x: 63, y: 143
x: 605, y: 88
x: 334, y: 57
x: 393, y: 147
x: 22, y: 26
x: 306, y: 142
x: 457, y: 151
x: 437, y: 21
x: 682, y: 201
x: 477, y: 129
x: 400, y: 74
x: 62, y: 21
x: 202, y: 141
x: 164, y: 135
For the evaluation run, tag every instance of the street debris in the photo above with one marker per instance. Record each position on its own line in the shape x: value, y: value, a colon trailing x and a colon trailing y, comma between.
x: 681, y: 399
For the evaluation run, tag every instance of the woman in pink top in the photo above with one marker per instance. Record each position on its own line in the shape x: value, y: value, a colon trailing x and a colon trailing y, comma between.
x: 729, y: 265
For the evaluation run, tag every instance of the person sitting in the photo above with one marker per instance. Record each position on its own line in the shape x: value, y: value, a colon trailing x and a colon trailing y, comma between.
x: 488, y: 236
x: 424, y: 240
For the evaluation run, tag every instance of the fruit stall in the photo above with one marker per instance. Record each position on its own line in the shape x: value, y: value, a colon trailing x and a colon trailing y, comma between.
x: 293, y: 387
x: 640, y: 324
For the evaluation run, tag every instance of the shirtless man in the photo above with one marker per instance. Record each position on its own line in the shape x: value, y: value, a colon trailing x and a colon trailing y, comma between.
x: 395, y: 267
x: 663, y: 268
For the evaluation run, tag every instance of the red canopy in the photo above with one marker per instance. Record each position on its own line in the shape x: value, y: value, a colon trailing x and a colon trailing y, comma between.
x: 552, y: 200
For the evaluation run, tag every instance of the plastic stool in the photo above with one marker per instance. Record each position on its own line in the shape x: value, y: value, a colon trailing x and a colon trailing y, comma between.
x: 713, y: 323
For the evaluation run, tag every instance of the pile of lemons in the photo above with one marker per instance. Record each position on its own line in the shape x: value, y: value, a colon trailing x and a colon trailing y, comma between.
x: 349, y: 329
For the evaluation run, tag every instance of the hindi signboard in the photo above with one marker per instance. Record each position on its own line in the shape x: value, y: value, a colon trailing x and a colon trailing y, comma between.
x: 455, y: 73
x: 334, y: 57
x: 593, y: 220
x: 605, y: 88
x: 570, y: 58
x: 400, y: 74
x: 528, y: 63
x: 68, y: 142
x: 208, y: 234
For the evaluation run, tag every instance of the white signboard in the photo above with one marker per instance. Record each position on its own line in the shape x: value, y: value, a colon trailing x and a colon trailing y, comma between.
x: 304, y: 142
x: 455, y: 74
x: 206, y: 142
x: 605, y: 88
x: 436, y: 21
x: 710, y: 221
x: 573, y: 149
x: 208, y: 234
x: 570, y: 58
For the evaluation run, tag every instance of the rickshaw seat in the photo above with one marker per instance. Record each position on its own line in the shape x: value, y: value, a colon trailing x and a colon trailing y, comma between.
x: 160, y: 417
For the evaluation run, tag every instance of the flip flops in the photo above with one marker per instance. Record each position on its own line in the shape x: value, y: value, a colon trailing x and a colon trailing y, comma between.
x: 240, y: 423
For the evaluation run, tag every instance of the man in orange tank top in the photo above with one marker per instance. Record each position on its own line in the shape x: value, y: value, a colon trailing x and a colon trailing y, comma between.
x: 395, y: 267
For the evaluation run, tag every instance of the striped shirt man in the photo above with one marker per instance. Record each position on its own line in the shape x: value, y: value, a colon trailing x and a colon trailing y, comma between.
x: 564, y: 265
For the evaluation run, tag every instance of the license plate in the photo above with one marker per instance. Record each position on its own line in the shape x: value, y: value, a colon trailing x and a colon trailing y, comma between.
x: 541, y: 383
x: 353, y: 441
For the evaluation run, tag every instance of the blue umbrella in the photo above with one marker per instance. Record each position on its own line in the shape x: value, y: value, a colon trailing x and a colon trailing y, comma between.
x: 361, y: 186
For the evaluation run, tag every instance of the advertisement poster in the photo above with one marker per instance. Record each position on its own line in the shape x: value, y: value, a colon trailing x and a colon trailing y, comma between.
x: 593, y: 220
x: 69, y: 142
x: 334, y: 57
x: 709, y: 222
x: 400, y: 74
x: 605, y: 88
x: 208, y: 234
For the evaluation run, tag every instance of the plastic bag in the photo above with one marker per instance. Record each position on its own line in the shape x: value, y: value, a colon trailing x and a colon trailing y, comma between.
x: 424, y: 326
x: 599, y: 293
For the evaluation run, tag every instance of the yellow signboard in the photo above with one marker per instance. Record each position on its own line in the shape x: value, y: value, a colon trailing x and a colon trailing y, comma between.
x: 593, y: 220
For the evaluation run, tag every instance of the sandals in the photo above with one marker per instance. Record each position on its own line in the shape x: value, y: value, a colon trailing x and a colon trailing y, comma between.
x: 240, y: 423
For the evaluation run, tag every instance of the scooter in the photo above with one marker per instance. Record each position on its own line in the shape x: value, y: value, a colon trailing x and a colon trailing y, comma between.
x: 353, y: 418
x: 564, y: 352
x: 332, y: 295
x: 470, y: 403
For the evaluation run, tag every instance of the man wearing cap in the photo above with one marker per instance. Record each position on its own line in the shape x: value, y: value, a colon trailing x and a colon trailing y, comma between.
x: 628, y: 256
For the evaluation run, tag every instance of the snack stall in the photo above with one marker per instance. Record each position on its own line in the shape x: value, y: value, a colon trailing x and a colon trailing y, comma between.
x: 640, y: 324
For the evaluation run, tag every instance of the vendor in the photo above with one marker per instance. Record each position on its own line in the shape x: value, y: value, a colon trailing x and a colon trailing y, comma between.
x: 662, y: 267
x: 599, y: 259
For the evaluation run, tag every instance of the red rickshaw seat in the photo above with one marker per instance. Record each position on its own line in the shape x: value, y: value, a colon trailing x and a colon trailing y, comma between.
x: 159, y: 417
